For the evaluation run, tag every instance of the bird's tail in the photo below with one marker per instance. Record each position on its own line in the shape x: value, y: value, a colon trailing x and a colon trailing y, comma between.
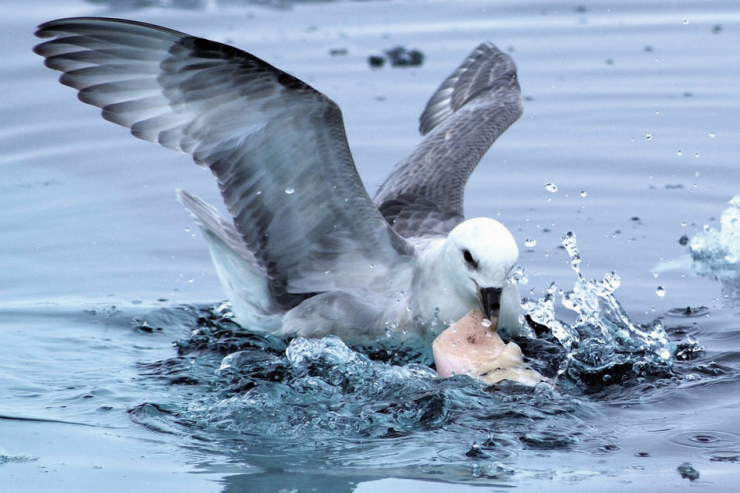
x: 242, y: 278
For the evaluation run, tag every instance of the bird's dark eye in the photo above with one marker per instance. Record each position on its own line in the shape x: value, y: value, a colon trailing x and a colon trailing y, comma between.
x: 469, y: 259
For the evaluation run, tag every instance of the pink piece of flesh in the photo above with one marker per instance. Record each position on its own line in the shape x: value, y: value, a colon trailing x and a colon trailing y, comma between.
x: 469, y: 347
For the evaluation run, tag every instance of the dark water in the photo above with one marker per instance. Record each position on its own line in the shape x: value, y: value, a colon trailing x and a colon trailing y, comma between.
x: 113, y: 331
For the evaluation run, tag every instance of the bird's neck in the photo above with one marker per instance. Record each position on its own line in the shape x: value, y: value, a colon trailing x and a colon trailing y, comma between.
x: 436, y: 299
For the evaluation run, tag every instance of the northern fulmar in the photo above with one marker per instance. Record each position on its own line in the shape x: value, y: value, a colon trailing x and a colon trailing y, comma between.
x: 306, y: 251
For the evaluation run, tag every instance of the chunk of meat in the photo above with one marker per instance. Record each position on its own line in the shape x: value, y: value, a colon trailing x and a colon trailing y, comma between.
x: 472, y: 347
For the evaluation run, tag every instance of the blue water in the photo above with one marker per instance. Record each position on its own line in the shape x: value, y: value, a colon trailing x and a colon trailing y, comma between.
x: 114, y: 332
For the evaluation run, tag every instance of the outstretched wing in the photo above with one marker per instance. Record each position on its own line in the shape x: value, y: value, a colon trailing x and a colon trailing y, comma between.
x: 424, y: 193
x: 276, y: 145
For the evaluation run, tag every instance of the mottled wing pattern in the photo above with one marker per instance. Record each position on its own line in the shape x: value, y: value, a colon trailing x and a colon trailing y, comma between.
x: 277, y: 146
x: 463, y: 118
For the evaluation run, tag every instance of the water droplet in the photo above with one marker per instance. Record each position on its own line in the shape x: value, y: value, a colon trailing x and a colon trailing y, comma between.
x: 518, y: 276
x: 583, y: 193
x: 655, y: 274
x: 660, y: 291
x: 696, y: 155
x: 711, y: 134
x: 569, y: 242
x: 485, y: 322
x: 679, y: 152
x: 530, y: 243
x: 289, y: 190
x: 685, y: 21
x: 649, y: 136
x: 551, y: 187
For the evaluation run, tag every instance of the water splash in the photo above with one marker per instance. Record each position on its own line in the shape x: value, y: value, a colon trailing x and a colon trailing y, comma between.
x: 321, y: 391
x: 543, y: 313
x: 518, y: 276
x: 261, y: 398
x: 717, y: 251
x: 603, y: 345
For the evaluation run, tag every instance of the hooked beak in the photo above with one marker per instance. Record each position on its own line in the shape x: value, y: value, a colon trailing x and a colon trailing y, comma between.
x: 490, y: 302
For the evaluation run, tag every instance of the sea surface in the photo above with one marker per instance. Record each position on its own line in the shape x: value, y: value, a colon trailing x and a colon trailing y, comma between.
x: 121, y: 370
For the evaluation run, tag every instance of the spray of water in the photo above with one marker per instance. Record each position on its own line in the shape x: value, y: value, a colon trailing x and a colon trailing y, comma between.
x: 602, y: 342
x: 715, y: 253
x: 719, y: 250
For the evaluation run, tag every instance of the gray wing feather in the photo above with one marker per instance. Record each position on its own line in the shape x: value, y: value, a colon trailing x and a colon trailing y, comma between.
x: 463, y: 118
x: 210, y: 220
x: 276, y: 145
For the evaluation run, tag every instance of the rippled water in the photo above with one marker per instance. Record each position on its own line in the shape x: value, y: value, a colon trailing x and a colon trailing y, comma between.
x: 121, y: 369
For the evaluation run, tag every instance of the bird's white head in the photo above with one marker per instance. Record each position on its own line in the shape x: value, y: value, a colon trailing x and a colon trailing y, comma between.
x: 479, y: 255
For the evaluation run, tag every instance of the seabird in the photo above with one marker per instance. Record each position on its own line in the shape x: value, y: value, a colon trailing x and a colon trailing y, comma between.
x: 306, y: 251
